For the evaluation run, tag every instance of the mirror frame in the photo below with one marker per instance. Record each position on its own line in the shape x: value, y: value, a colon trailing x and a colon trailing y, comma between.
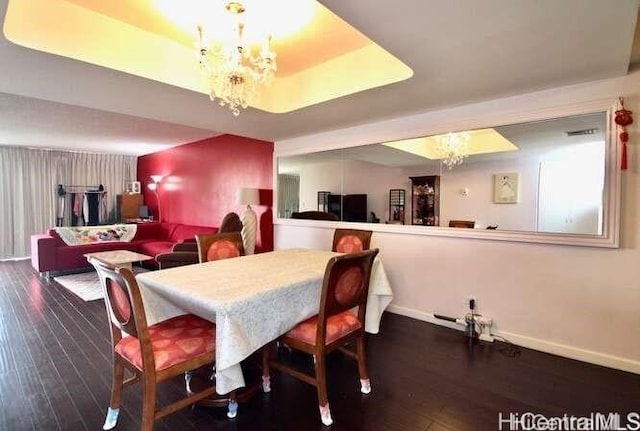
x: 610, y: 237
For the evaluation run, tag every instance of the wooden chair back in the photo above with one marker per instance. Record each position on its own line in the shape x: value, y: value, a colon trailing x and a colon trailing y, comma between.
x: 123, y: 302
x: 462, y: 223
x: 351, y: 240
x: 219, y: 246
x: 345, y: 286
x: 230, y: 223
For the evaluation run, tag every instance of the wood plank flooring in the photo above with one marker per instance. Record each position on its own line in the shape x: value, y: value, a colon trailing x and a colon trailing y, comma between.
x: 55, y: 374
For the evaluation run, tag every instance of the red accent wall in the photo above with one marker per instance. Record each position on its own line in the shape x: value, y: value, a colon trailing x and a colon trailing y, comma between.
x: 201, y: 180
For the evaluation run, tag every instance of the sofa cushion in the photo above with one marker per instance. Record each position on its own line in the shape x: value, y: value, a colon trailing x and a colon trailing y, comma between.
x: 70, y: 257
x: 153, y: 230
x: 183, y: 231
x: 154, y: 247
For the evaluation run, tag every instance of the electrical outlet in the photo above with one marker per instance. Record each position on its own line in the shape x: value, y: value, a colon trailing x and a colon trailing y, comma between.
x: 467, y: 300
x: 485, y: 321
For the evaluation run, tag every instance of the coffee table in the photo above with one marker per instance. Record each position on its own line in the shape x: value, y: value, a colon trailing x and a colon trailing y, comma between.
x: 117, y: 258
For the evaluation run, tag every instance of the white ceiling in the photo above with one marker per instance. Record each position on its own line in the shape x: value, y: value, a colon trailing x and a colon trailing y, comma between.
x: 461, y: 51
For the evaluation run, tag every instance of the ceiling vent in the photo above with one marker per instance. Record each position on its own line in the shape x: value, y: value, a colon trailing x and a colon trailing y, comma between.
x: 582, y: 132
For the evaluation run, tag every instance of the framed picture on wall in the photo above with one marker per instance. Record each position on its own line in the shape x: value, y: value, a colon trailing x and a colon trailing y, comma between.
x: 505, y: 188
x: 133, y: 187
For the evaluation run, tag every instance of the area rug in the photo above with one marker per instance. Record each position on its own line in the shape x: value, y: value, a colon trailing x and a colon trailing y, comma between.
x: 86, y: 285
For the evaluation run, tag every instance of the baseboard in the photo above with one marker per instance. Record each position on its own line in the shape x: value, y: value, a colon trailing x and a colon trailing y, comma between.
x: 563, y: 350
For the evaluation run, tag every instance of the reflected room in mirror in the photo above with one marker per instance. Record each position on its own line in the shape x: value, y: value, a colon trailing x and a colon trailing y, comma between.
x: 547, y: 176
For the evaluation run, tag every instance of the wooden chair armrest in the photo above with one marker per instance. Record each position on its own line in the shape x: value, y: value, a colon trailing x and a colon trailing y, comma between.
x: 176, y: 258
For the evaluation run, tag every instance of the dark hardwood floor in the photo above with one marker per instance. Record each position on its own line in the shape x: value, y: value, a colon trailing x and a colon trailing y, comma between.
x: 56, y: 375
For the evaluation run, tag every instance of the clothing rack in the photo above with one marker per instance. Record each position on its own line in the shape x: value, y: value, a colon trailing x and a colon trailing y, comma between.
x: 70, y: 188
x: 80, y: 205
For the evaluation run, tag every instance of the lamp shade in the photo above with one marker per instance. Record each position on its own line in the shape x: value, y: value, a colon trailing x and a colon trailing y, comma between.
x: 247, y: 196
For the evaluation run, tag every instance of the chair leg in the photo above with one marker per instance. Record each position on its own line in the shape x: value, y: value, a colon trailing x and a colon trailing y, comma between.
x: 321, y: 384
x: 148, y: 403
x: 232, y: 407
x: 266, y: 375
x: 188, y: 376
x: 117, y: 380
x: 365, y: 383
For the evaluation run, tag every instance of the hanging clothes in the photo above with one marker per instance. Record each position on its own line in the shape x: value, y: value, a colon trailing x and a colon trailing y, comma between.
x: 92, y: 204
x: 60, y: 204
x: 80, y: 205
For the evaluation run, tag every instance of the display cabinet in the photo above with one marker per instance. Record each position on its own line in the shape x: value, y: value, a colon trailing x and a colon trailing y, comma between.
x: 323, y: 201
x: 396, y: 206
x: 425, y: 200
x: 129, y: 206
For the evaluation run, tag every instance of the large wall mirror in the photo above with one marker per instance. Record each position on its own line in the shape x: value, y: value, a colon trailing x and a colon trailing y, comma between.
x: 553, y: 181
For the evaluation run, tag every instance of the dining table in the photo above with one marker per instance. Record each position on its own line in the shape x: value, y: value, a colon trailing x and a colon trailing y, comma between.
x: 252, y: 299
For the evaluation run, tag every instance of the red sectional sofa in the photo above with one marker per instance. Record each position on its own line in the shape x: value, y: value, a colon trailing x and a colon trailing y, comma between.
x: 49, y: 253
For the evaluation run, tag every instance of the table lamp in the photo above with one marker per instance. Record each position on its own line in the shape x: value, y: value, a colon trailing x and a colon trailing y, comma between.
x: 248, y: 197
x: 154, y: 186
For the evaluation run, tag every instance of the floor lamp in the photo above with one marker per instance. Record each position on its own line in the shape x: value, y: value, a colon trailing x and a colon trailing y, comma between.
x: 248, y: 197
x: 155, y: 188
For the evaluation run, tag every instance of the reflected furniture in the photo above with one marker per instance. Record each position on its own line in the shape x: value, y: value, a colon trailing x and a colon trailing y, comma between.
x: 219, y: 246
x: 344, y: 288
x: 323, y: 201
x: 397, y: 202
x: 351, y: 207
x: 351, y: 240
x: 153, y: 353
x: 579, y: 140
x: 315, y: 215
x: 425, y: 200
x: 462, y: 223
x: 253, y: 300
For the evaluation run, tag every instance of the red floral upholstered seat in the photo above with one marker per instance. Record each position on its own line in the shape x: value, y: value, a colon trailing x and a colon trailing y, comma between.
x: 172, y: 342
x: 222, y: 250
x: 152, y: 353
x: 345, y: 286
x: 351, y: 240
x: 349, y: 244
x: 338, y: 326
x: 219, y: 246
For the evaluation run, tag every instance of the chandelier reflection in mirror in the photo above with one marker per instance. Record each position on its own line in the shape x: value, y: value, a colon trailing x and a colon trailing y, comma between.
x: 453, y: 148
x: 234, y: 71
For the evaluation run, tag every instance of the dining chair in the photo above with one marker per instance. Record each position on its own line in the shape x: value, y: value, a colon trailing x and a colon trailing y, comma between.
x: 152, y: 353
x: 345, y: 286
x: 351, y: 240
x: 219, y: 246
x: 186, y: 252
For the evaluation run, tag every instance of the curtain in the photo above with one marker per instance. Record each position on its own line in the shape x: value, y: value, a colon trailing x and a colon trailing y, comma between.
x: 28, y: 181
x: 288, y: 194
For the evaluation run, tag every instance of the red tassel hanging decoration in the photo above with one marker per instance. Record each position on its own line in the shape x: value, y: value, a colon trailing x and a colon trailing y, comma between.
x: 623, y: 118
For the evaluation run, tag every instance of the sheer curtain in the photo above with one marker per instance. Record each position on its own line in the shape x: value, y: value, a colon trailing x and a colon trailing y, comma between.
x: 288, y: 194
x: 28, y: 180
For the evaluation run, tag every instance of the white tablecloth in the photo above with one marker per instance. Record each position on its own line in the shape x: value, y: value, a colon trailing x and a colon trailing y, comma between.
x: 252, y: 299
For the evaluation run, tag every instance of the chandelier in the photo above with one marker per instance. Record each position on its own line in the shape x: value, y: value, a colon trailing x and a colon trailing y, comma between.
x: 453, y: 148
x: 235, y: 72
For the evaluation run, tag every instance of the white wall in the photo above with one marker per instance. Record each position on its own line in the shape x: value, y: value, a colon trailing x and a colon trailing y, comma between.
x: 580, y: 302
x: 478, y: 205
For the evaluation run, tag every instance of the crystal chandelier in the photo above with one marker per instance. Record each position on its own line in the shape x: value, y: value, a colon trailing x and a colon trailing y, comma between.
x: 453, y: 148
x: 234, y: 72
